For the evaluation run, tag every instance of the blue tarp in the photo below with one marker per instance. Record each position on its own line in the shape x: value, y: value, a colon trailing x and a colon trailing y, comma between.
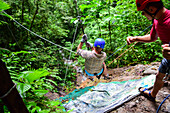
x: 106, y: 96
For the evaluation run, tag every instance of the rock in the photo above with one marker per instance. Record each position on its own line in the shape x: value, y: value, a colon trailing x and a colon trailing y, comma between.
x: 151, y: 70
x: 80, y: 79
x: 62, y: 93
x: 51, y: 96
x: 132, y: 104
x: 137, y: 101
x: 168, y: 108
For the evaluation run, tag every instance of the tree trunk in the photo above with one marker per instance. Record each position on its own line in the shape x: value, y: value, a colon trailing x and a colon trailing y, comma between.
x: 36, y: 12
x: 1, y: 107
x: 22, y: 16
x: 110, y: 28
x: 13, y: 100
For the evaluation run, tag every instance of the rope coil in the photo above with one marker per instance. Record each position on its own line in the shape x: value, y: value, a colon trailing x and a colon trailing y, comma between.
x: 8, y: 92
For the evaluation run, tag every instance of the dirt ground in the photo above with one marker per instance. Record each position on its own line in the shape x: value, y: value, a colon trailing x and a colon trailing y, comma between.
x: 139, y: 104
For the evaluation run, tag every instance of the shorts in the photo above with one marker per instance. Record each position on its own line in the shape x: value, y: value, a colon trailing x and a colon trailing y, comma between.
x: 165, y: 66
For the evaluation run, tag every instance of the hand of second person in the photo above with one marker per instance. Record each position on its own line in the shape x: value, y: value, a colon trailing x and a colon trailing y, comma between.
x: 166, y: 51
x: 130, y: 39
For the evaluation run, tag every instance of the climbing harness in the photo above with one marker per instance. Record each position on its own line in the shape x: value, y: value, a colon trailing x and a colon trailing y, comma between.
x: 161, y: 104
x: 95, y: 74
x: 126, y: 43
x: 8, y: 92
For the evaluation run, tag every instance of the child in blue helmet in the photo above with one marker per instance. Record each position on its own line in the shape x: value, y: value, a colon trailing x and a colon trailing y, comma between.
x: 94, y: 60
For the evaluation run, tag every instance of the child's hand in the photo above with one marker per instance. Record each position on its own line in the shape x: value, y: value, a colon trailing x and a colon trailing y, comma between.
x: 88, y: 44
x: 84, y: 38
x: 166, y: 51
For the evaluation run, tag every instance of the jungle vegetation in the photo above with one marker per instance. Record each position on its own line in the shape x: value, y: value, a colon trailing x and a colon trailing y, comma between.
x: 37, y: 65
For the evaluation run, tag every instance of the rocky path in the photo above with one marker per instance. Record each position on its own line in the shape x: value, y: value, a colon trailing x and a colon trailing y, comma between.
x: 139, y: 104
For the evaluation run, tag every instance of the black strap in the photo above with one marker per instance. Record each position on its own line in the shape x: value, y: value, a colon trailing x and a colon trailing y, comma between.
x: 152, y: 14
x: 98, y: 76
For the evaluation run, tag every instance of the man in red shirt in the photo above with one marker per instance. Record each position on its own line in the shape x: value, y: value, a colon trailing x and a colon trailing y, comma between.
x: 155, y: 11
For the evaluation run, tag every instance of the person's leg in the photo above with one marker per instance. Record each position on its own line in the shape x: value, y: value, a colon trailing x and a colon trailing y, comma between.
x: 105, y: 72
x: 159, y: 78
x: 87, y: 82
x: 105, y: 69
x: 158, y: 84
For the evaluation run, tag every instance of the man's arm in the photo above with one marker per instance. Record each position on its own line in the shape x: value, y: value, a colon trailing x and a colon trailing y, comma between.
x: 146, y: 38
x: 83, y: 40
x: 80, y: 46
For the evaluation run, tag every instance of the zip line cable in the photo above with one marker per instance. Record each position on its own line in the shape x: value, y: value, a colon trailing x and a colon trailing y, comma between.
x: 75, y: 35
x: 126, y: 43
x: 73, y: 41
x: 71, y: 49
x: 38, y: 35
x: 50, y: 41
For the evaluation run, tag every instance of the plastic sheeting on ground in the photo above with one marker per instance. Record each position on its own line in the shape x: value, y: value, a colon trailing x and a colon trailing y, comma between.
x: 107, y: 96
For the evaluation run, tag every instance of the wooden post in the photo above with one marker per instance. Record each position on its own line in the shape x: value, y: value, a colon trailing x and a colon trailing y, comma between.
x: 13, y: 100
x: 1, y: 107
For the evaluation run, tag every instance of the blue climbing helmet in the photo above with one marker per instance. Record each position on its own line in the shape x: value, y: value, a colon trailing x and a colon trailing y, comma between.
x: 99, y: 42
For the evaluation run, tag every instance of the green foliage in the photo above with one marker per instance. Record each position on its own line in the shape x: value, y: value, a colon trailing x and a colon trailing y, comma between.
x: 36, y: 65
x: 3, y: 6
x: 32, y: 84
x: 115, y: 21
x: 30, y: 75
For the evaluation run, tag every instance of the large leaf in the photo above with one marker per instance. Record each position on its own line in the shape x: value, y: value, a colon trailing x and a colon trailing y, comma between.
x: 3, y: 6
x: 23, y: 87
x: 40, y: 93
x: 30, y: 76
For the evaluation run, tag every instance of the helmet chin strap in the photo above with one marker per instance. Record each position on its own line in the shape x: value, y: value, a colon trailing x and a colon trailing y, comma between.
x: 152, y: 14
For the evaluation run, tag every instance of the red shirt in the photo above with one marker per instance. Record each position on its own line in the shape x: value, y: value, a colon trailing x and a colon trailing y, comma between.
x: 161, y: 28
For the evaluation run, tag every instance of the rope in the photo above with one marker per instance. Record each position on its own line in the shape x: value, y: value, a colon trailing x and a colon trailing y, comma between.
x: 116, y: 51
x: 70, y: 52
x: 161, y: 104
x: 73, y: 39
x: 123, y: 53
x: 126, y: 43
x: 128, y: 49
x: 38, y: 35
x: 8, y: 92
